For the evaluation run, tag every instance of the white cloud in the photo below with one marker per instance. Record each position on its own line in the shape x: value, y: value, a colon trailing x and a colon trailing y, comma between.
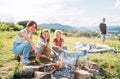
x: 117, y: 5
x: 50, y: 11
x: 67, y: 12
x: 113, y: 20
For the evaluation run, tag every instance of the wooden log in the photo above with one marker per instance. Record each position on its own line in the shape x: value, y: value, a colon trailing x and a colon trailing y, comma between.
x: 29, y: 70
x: 82, y: 74
x: 42, y: 75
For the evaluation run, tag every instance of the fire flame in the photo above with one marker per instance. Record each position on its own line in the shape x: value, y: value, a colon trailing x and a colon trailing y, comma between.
x: 59, y: 64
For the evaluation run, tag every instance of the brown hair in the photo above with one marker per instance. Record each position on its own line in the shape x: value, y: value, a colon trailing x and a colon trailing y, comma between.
x: 30, y: 23
x: 44, y: 30
x: 103, y: 18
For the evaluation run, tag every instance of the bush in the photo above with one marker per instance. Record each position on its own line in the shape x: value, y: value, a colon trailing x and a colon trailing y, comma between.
x: 18, y: 27
x: 3, y: 27
x: 119, y: 37
x: 74, y: 33
x: 65, y: 33
x: 9, y: 26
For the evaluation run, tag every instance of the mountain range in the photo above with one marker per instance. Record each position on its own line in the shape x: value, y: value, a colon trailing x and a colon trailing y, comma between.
x: 58, y: 26
x: 68, y: 27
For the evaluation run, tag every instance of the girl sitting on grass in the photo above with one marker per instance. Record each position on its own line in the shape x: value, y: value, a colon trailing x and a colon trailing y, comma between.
x: 58, y: 42
x: 43, y: 45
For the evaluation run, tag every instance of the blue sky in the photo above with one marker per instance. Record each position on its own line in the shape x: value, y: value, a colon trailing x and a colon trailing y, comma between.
x: 69, y: 12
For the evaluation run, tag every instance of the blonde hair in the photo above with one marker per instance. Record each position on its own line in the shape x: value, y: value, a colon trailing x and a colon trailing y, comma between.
x: 58, y: 31
x: 44, y: 30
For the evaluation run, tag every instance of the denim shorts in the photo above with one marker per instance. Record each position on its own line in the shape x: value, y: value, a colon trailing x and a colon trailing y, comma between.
x: 103, y: 37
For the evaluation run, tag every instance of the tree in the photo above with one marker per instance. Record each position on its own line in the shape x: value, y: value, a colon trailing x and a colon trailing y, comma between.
x: 52, y: 30
x: 23, y: 23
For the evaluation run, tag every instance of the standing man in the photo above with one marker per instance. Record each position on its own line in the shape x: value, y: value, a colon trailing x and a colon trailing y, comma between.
x: 103, y: 30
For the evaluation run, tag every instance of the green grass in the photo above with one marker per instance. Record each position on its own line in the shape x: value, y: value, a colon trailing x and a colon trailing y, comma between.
x: 108, y: 61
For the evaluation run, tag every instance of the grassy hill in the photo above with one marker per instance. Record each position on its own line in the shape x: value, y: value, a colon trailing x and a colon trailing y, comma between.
x: 109, y: 61
x: 115, y: 28
x: 58, y: 26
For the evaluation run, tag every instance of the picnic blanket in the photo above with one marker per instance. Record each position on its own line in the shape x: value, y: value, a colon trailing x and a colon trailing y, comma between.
x: 94, y: 47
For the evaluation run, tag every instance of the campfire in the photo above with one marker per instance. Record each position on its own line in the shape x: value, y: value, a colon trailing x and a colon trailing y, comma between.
x: 65, y: 68
x: 60, y: 69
